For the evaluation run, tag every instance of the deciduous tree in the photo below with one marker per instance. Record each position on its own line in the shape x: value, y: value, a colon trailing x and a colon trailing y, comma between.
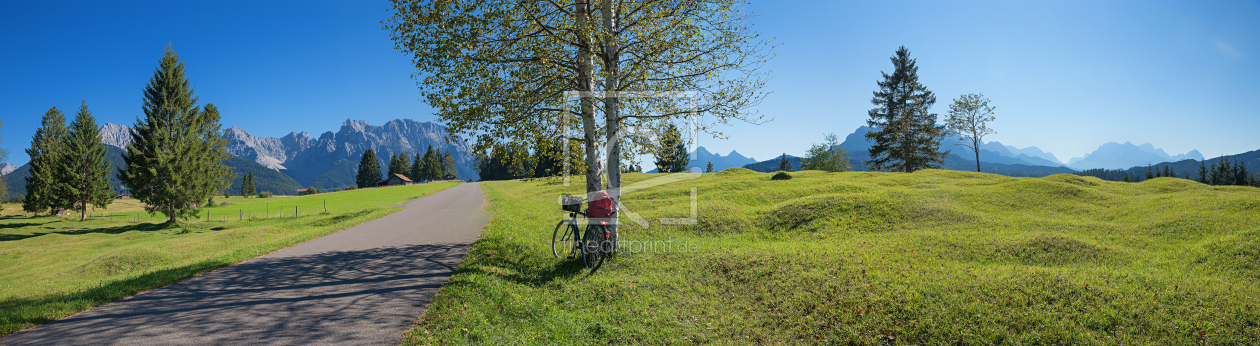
x: 969, y: 117
x: 827, y: 156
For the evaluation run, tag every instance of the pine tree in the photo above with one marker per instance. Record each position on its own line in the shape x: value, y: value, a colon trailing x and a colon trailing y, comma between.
x: 173, y: 163
x: 1126, y: 178
x: 404, y: 165
x: 708, y: 168
x: 907, y: 138
x: 45, y: 152
x: 83, y: 172
x: 1168, y: 171
x: 247, y: 185
x: 1240, y: 173
x: 1149, y: 174
x: 785, y: 164
x: 671, y: 156
x: 369, y: 170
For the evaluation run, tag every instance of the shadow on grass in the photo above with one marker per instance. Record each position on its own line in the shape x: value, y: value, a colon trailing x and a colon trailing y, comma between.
x: 142, y: 227
x: 524, y: 265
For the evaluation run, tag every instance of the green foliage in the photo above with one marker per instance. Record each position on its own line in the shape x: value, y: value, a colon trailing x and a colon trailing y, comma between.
x: 969, y: 117
x: 448, y: 167
x: 426, y: 168
x: 671, y: 154
x: 828, y: 156
x: 781, y: 175
x: 4, y: 155
x: 264, y: 194
x: 83, y: 172
x: 173, y: 164
x: 708, y: 168
x: 785, y: 165
x: 369, y: 170
x: 433, y: 163
x: 503, y: 163
x: 400, y: 164
x: 416, y: 169
x: 46, y: 151
x: 351, y: 187
x: 870, y: 258
x: 907, y: 137
x: 247, y: 185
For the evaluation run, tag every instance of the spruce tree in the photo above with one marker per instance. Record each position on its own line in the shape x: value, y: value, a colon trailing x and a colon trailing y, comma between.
x: 440, y: 156
x: 435, y: 165
x: 416, y: 167
x: 404, y: 165
x: 369, y: 170
x: 1149, y: 173
x: 1125, y: 177
x: 247, y: 185
x: 1203, y: 173
x: 671, y: 156
x: 83, y: 171
x: 785, y: 164
x: 449, y: 163
x: 173, y: 163
x: 708, y: 168
x: 45, y: 152
x: 907, y: 136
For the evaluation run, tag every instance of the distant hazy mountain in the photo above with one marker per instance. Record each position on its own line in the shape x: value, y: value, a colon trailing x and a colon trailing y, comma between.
x: 6, y: 167
x: 331, y: 160
x: 703, y: 157
x: 1122, y: 156
x: 991, y: 152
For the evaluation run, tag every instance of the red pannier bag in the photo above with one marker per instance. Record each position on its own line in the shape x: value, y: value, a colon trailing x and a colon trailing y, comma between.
x: 601, y: 206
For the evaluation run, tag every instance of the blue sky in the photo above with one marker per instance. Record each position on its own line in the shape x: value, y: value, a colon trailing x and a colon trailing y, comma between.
x: 1065, y: 76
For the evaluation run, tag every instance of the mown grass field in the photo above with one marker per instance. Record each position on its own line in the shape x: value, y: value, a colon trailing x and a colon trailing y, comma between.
x: 52, y: 267
x: 933, y: 257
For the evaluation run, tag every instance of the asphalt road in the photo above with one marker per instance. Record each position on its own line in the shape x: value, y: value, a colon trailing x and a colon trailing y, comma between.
x: 364, y: 285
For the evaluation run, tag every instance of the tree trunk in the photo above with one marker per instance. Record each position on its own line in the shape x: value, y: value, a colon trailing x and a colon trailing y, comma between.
x: 83, y: 214
x: 612, y: 107
x: 586, y: 86
x: 976, y: 144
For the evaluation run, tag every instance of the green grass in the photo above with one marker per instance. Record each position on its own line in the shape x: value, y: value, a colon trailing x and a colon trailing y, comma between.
x: 52, y: 267
x: 934, y: 257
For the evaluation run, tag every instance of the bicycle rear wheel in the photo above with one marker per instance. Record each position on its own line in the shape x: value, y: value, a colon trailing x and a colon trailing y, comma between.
x: 562, y: 238
x: 594, y: 245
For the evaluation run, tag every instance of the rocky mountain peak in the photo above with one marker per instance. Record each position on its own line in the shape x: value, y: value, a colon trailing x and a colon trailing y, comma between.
x: 116, y: 135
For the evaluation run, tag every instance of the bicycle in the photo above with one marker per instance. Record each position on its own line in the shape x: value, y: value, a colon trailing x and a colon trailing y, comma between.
x: 593, y: 244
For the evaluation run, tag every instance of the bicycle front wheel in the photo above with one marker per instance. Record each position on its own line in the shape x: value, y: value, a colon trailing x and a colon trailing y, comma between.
x: 562, y: 238
x: 594, y: 244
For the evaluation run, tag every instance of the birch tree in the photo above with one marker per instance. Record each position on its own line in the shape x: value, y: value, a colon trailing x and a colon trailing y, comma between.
x: 969, y: 117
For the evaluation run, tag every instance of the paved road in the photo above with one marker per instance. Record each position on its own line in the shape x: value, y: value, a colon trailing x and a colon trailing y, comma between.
x: 361, y: 286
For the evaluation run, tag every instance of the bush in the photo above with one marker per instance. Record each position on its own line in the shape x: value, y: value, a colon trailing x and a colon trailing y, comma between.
x: 264, y: 194
x: 351, y: 187
x: 337, y: 189
x: 781, y: 175
x: 19, y: 199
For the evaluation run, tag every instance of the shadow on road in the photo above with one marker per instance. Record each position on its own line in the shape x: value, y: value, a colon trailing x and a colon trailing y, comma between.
x: 330, y: 297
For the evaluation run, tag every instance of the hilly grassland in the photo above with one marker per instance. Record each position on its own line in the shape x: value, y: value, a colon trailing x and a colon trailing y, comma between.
x: 52, y: 267
x: 933, y: 257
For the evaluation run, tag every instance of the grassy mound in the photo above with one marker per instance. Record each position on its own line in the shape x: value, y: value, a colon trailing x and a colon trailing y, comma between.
x: 932, y: 257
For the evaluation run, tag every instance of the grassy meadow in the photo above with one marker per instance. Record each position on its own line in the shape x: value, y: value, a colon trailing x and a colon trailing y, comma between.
x: 52, y: 267
x: 933, y: 257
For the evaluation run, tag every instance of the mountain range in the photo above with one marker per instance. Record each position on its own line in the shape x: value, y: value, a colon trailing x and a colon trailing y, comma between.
x: 1121, y: 156
x: 6, y: 167
x: 283, y: 165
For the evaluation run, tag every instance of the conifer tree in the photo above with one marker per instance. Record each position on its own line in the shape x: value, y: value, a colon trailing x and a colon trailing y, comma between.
x: 247, y: 185
x: 1203, y: 173
x: 907, y: 138
x: 416, y: 167
x: 45, y: 152
x: 369, y: 170
x: 404, y: 164
x: 785, y: 164
x: 1149, y: 173
x: 173, y: 163
x: 708, y: 168
x: 83, y: 172
x: 1126, y: 177
x: 4, y: 155
x: 435, y: 165
x: 426, y: 168
x: 671, y: 156
x: 449, y: 162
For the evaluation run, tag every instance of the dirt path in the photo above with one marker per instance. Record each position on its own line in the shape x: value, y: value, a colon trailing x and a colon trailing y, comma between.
x: 364, y: 285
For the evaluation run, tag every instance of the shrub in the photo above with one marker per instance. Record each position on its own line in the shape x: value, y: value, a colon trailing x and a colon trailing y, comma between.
x: 781, y: 175
x: 338, y: 189
x: 351, y: 187
x: 264, y: 194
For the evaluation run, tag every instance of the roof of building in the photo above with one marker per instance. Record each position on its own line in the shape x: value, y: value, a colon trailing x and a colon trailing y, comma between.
x: 400, y: 176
